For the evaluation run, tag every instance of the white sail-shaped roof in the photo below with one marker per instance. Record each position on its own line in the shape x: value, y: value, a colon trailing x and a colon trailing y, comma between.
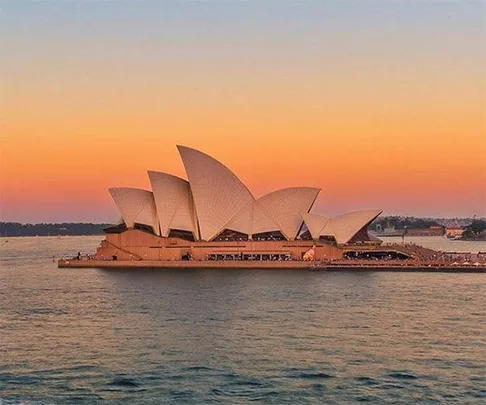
x: 242, y: 221
x: 262, y: 222
x: 173, y: 201
x: 218, y: 194
x: 286, y: 205
x: 315, y: 224
x: 136, y: 206
x: 252, y: 220
x: 345, y: 226
x: 327, y: 230
x: 215, y: 199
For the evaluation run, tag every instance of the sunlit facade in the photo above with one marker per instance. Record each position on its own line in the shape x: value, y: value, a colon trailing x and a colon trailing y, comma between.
x: 214, y: 204
x: 213, y: 216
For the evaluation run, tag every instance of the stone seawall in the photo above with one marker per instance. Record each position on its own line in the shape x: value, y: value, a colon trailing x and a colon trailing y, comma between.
x: 271, y: 265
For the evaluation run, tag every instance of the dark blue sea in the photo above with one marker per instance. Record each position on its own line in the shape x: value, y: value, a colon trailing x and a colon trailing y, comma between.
x: 93, y: 336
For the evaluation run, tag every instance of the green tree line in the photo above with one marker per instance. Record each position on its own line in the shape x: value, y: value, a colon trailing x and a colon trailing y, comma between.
x: 402, y: 222
x: 10, y: 229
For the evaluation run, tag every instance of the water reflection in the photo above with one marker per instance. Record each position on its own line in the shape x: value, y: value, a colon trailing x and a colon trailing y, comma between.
x: 191, y: 336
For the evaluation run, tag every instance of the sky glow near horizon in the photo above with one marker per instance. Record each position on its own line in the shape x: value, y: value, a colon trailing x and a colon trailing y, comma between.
x: 380, y: 104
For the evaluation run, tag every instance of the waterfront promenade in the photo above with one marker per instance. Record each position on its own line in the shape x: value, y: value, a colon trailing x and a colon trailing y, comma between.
x: 337, y: 265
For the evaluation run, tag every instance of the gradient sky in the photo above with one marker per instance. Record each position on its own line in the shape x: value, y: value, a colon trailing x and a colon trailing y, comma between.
x: 382, y: 104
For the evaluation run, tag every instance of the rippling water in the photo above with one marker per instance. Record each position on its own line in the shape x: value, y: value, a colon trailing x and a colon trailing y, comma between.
x: 231, y: 337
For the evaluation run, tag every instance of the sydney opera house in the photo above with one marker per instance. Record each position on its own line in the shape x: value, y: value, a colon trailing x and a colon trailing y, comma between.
x: 213, y: 216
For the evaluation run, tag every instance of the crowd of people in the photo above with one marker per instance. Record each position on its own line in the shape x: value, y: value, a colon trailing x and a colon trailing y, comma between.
x: 250, y: 256
x: 436, y: 257
x: 379, y: 256
x: 85, y: 256
x: 456, y: 257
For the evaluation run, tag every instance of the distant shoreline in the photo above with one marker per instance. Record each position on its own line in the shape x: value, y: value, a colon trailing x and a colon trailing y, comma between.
x: 48, y: 236
x: 478, y: 239
x: 15, y: 229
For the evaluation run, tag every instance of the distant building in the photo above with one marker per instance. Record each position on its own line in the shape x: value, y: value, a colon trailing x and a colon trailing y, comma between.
x: 454, y: 232
x: 431, y: 231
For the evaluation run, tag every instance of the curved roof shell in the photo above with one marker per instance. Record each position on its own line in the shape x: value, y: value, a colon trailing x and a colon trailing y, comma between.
x: 342, y: 227
x: 315, y: 224
x: 218, y: 194
x: 262, y: 222
x: 136, y: 206
x: 252, y: 220
x: 285, y: 206
x: 242, y: 221
x: 173, y: 199
x: 214, y: 199
x: 279, y: 210
x: 345, y: 226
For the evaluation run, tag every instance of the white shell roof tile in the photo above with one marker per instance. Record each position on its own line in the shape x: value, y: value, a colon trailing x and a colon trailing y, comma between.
x: 347, y: 225
x: 315, y: 224
x: 286, y: 205
x: 218, y: 194
x: 219, y: 200
x: 136, y: 206
x: 173, y: 201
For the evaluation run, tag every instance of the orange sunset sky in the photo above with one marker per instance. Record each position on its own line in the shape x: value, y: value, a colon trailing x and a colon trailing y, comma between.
x: 380, y: 104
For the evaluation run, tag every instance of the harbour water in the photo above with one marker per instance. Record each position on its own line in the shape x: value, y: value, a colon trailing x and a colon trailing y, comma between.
x: 88, y: 336
x: 440, y: 243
